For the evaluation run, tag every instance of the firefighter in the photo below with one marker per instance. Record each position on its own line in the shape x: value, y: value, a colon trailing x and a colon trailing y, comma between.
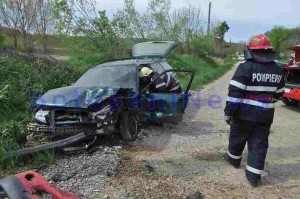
x: 253, y: 90
x: 162, y: 84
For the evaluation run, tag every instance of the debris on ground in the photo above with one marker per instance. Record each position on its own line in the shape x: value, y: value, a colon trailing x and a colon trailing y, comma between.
x: 84, y: 175
x: 28, y: 185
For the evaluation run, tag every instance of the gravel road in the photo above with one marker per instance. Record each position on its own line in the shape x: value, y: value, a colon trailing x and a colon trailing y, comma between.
x: 175, y: 161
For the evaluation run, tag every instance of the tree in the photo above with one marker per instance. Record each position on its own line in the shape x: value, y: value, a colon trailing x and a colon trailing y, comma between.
x: 20, y: 17
x: 129, y: 23
x: 280, y: 37
x: 82, y: 19
x: 45, y: 22
x: 160, y: 22
x: 220, y: 30
x: 10, y: 19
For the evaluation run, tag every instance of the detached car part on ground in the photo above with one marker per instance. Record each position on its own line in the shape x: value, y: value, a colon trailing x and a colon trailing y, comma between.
x: 109, y: 99
x: 28, y: 185
x: 291, y: 95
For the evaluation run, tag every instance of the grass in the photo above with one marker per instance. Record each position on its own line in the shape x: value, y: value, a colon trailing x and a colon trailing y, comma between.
x: 207, y: 70
x: 17, y: 79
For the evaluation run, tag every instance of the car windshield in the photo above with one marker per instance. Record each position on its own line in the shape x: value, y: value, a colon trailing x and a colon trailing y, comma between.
x: 110, y: 76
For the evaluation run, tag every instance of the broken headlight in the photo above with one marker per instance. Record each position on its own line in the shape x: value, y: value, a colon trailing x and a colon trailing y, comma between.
x: 41, y: 115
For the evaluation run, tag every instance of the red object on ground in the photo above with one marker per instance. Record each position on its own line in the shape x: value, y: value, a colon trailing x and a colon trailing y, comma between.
x: 259, y: 42
x: 34, y: 182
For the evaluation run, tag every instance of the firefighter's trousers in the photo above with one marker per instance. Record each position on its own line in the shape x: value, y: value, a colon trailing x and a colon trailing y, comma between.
x: 256, y: 136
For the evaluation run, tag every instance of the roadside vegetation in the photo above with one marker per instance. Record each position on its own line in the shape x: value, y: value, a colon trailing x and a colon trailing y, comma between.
x: 207, y: 69
x: 282, y: 38
x: 52, y: 28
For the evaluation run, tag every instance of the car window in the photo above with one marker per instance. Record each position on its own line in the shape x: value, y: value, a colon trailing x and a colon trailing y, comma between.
x: 166, y: 66
x: 157, y: 67
x: 159, y: 49
x: 107, y: 76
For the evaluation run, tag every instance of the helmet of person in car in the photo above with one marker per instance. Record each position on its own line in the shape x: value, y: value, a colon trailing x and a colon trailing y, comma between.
x: 145, y: 72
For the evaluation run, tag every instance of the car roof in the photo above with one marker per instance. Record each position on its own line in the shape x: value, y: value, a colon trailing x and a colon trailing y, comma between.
x: 130, y: 62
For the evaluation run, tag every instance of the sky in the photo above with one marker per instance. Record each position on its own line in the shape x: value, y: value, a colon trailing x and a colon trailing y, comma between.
x: 244, y: 17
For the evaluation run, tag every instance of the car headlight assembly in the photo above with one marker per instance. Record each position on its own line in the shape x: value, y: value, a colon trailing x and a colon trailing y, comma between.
x: 41, y: 115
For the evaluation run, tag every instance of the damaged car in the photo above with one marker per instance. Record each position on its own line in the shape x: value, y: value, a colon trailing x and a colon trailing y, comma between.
x: 110, y: 98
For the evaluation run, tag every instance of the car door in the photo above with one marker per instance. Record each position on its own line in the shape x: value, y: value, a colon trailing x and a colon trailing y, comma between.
x: 167, y: 107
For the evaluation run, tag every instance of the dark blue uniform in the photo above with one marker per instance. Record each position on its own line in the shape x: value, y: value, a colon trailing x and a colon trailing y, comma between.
x: 165, y: 84
x: 253, y: 91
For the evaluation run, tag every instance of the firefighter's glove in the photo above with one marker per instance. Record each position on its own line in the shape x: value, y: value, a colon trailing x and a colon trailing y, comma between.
x: 229, y: 120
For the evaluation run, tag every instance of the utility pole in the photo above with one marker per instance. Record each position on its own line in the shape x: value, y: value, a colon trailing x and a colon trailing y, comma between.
x: 208, y: 23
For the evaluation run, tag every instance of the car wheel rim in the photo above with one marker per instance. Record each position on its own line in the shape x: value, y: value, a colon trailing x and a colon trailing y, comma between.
x: 133, y: 126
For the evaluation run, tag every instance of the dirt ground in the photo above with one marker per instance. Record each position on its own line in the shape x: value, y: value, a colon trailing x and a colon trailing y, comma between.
x: 177, y: 161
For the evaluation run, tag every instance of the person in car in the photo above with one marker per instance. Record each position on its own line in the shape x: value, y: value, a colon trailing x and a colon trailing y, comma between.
x: 161, y: 84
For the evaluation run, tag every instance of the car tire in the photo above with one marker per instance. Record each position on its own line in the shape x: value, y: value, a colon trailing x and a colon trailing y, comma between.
x: 129, y: 126
x: 290, y: 102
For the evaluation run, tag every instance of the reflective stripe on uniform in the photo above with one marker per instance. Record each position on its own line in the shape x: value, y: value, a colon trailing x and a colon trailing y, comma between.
x: 160, y: 85
x: 234, y: 156
x: 280, y: 90
x: 169, y: 79
x: 238, y: 84
x: 251, y: 102
x: 175, y: 88
x: 253, y: 88
x: 261, y: 88
x: 253, y: 170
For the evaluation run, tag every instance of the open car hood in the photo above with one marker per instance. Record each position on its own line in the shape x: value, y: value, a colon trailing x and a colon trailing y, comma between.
x: 153, y: 49
x: 79, y: 97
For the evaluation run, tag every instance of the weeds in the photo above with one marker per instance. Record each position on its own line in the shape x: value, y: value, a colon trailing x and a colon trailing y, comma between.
x: 44, y: 158
x: 206, y: 69
x: 17, y: 79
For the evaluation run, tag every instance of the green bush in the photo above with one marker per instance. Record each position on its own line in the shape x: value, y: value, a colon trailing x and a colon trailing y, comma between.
x: 1, y: 40
x: 4, y: 42
x: 17, y: 80
x: 86, y: 60
x: 202, y: 45
x: 11, y: 133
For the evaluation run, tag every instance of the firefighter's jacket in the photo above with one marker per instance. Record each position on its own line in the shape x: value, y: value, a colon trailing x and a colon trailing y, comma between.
x: 165, y: 83
x: 253, y: 91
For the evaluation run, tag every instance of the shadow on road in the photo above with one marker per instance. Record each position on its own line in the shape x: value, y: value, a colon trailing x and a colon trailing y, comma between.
x: 289, y: 167
x: 292, y: 108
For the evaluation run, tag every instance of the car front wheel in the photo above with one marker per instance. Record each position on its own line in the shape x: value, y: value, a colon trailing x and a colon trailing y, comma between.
x: 289, y: 101
x: 129, y: 126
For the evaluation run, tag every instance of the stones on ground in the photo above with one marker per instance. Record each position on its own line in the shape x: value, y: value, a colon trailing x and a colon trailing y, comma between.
x: 84, y: 173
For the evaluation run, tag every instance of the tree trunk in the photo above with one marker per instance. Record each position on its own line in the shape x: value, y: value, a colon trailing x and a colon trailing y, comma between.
x: 25, y: 41
x: 15, y: 38
x: 44, y: 42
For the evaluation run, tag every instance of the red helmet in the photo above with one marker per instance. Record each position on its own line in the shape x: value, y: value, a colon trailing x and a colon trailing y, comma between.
x: 259, y: 42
